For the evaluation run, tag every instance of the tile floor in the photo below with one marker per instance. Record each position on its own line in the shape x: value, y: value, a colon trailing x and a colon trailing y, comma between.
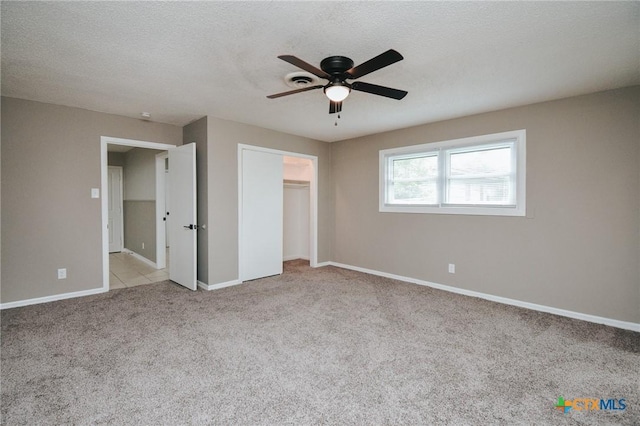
x: 127, y: 271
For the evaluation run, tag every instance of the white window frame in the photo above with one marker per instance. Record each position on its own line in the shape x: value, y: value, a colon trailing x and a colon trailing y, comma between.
x: 485, y: 141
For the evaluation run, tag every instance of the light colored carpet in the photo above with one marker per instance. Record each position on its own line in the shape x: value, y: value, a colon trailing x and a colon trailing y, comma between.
x: 313, y: 346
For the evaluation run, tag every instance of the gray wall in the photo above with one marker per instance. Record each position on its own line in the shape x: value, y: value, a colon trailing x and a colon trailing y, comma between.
x: 224, y: 137
x: 140, y: 227
x: 580, y: 249
x: 50, y: 162
x: 197, y: 132
x: 140, y: 174
x: 140, y: 201
x: 115, y: 158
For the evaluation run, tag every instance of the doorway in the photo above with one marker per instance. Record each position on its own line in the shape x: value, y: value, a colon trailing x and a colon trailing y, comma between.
x: 136, y: 256
x: 297, y: 214
x: 261, y: 210
x: 183, y: 269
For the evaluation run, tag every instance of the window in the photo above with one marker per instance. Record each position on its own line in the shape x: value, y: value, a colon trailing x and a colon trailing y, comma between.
x: 483, y: 175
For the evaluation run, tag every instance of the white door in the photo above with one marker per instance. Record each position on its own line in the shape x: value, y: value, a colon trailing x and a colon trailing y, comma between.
x: 261, y: 234
x: 115, y: 209
x: 182, y: 211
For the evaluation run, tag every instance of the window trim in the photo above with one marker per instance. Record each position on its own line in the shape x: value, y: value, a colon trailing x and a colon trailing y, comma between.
x: 519, y: 136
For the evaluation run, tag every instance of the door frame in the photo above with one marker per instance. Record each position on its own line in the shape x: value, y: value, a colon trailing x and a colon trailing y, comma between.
x: 104, y: 182
x: 120, y: 201
x: 313, y: 202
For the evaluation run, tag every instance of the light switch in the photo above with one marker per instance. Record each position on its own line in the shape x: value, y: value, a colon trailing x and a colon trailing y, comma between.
x: 95, y: 192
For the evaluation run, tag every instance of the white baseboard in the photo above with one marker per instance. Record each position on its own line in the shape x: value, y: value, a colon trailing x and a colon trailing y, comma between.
x: 321, y: 264
x: 141, y: 258
x: 53, y: 298
x: 533, y: 306
x: 219, y: 285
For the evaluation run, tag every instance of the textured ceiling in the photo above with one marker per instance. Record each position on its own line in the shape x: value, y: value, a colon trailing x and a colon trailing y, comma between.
x: 183, y: 60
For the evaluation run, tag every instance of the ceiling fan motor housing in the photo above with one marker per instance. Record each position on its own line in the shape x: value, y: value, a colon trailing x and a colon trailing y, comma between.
x: 336, y: 65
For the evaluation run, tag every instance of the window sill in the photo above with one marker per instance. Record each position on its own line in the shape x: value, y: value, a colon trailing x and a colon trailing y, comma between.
x: 474, y: 211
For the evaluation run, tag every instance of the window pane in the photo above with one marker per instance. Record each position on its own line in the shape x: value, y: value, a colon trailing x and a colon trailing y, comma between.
x: 481, y: 177
x: 414, y: 180
x: 415, y: 168
x: 415, y: 192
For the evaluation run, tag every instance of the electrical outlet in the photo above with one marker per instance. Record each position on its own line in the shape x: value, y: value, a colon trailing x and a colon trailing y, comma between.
x: 62, y: 273
x: 452, y: 268
x: 142, y: 246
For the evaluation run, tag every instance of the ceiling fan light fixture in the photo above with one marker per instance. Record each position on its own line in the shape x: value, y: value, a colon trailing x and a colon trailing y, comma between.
x: 337, y: 92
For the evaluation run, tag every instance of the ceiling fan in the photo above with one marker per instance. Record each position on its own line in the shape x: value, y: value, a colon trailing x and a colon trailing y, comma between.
x: 339, y: 69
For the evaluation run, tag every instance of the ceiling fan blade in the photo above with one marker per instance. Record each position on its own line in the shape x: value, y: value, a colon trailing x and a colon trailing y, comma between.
x: 384, y: 59
x: 305, y: 66
x: 291, y: 92
x: 335, y: 107
x: 378, y: 90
